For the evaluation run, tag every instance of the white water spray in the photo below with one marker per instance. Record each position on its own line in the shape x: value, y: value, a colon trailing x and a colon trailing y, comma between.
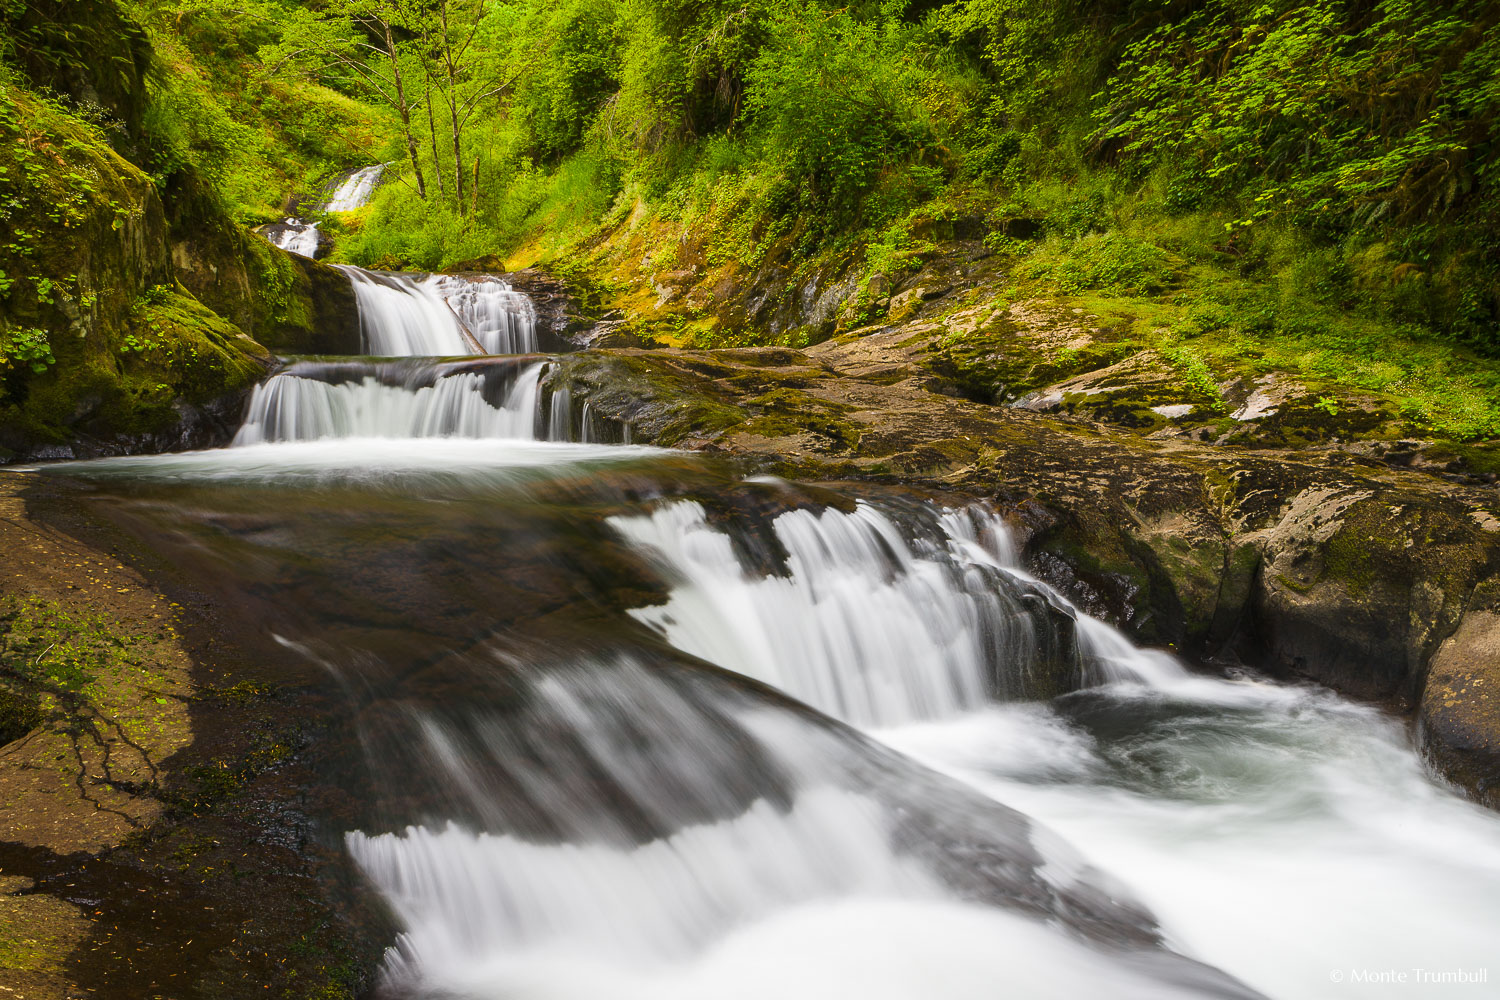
x: 866, y: 624
x: 355, y: 190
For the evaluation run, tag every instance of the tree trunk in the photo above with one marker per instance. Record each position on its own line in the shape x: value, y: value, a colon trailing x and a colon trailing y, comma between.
x: 437, y: 161
x: 474, y: 195
x: 405, y: 109
x: 451, y: 94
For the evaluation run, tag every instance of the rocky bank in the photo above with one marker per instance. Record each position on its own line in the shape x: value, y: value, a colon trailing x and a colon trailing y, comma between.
x: 1326, y: 556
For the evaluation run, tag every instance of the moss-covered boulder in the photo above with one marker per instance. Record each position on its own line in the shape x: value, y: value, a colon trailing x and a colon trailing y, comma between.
x: 129, y: 309
x: 289, y: 303
x: 101, y: 350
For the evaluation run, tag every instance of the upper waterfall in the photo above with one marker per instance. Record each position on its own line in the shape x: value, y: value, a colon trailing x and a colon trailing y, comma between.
x: 355, y: 190
x: 300, y: 237
x: 440, y: 315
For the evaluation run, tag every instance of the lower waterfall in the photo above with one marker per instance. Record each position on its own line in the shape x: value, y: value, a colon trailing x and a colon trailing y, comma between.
x: 294, y: 405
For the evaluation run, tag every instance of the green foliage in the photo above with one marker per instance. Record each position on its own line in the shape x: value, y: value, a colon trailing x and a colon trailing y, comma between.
x: 1111, y: 261
x: 1352, y: 122
x: 831, y: 101
x: 1277, y: 182
x: 26, y: 347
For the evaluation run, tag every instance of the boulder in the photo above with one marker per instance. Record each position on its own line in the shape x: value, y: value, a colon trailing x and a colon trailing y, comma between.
x: 1459, y: 719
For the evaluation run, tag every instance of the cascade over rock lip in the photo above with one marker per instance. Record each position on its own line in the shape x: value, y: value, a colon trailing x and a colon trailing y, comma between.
x: 1322, y: 566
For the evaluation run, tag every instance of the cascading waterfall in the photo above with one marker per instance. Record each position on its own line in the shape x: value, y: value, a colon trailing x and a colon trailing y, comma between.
x: 440, y: 315
x: 405, y: 316
x: 731, y: 815
x: 402, y: 316
x: 560, y: 415
x: 866, y: 623
x: 294, y: 407
x: 355, y: 190
x: 501, y: 319
x: 575, y: 801
x: 300, y: 237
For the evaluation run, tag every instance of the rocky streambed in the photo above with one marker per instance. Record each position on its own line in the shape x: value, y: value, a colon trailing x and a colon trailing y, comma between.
x: 1324, y: 562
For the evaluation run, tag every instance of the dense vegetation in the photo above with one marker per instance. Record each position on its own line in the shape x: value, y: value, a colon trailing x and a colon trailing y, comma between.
x: 1310, y: 183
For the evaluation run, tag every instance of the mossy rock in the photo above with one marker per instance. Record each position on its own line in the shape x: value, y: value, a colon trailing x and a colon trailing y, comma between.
x: 787, y: 411
x: 86, y: 49
x: 20, y: 713
x: 289, y: 303
x: 172, y: 377
x: 662, y: 404
x: 995, y: 363
x: 1359, y: 587
x: 1459, y: 720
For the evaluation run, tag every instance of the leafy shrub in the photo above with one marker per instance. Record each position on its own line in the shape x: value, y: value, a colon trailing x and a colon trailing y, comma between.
x: 829, y: 103
x: 25, y: 347
x: 1111, y: 262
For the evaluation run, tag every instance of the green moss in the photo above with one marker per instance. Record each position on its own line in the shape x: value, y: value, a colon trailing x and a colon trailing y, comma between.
x: 70, y: 666
x: 1113, y: 261
x: 130, y: 380
x: 787, y: 411
x: 996, y: 364
x: 1365, y: 549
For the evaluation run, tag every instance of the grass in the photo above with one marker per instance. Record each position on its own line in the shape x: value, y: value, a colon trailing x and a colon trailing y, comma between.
x: 1218, y: 330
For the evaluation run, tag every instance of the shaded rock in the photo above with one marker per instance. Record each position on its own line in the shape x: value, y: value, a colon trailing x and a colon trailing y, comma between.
x: 290, y: 303
x: 1459, y: 718
x: 88, y: 50
x: 1359, y: 585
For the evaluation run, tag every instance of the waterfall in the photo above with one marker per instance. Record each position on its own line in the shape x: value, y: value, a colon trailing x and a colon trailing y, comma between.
x: 560, y: 415
x: 298, y: 237
x: 871, y: 625
x: 416, y: 316
x: 401, y: 316
x: 440, y: 315
x: 501, y: 319
x: 291, y: 406
x: 685, y: 815
x: 355, y: 190
x: 465, y: 894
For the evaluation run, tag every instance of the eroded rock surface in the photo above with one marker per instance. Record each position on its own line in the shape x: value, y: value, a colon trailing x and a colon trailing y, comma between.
x: 1323, y: 565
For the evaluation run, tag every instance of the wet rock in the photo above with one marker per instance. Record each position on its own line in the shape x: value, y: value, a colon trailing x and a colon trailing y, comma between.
x: 1459, y: 719
x: 1359, y: 585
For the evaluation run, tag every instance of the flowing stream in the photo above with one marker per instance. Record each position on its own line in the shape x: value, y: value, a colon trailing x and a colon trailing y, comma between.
x: 624, y: 723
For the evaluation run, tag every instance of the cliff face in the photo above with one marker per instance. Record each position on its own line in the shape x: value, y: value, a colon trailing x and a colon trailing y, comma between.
x: 132, y: 315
